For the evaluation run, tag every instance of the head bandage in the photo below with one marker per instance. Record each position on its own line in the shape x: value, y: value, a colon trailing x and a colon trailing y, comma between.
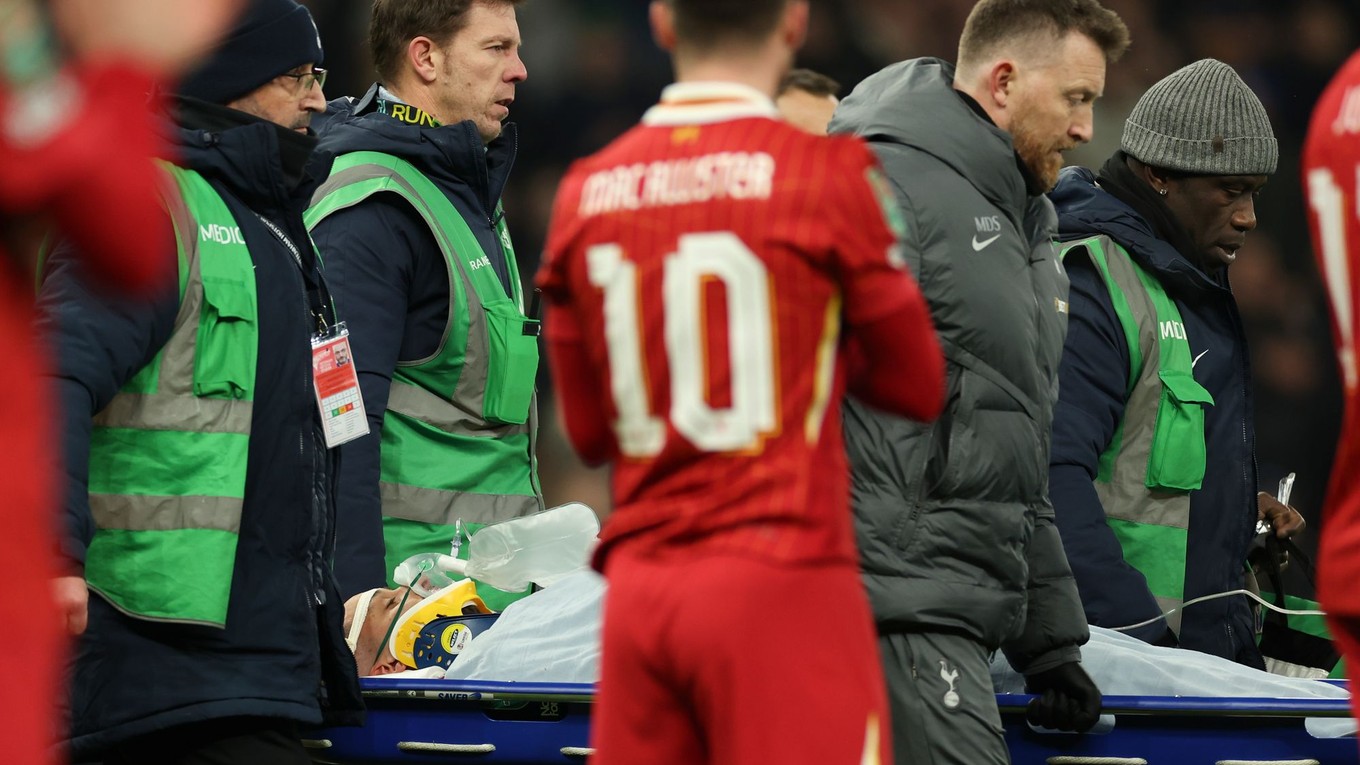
x: 360, y: 616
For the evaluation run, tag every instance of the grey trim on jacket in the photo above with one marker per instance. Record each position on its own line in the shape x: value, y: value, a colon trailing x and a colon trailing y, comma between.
x: 953, y: 520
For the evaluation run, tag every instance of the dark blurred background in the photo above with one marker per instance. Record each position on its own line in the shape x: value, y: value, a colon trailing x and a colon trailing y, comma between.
x: 593, y: 70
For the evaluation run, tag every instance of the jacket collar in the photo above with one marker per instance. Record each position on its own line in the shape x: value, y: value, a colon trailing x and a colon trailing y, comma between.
x: 914, y: 103
x: 704, y: 103
x: 448, y: 154
x: 264, y: 165
x: 1087, y: 209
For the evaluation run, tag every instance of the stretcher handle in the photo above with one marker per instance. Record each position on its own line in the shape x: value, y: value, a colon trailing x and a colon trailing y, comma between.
x: 577, y: 751
x: 430, y: 747
x: 1071, y: 760
x: 1188, y: 706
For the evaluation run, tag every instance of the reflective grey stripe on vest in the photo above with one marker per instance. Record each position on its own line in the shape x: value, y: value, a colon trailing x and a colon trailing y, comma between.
x: 449, y: 416
x: 174, y: 407
x: 1126, y: 496
x: 148, y: 513
x: 414, y: 503
x: 472, y: 381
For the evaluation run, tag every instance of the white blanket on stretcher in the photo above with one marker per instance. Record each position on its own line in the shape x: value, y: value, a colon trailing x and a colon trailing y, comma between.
x: 1125, y: 666
x: 553, y: 636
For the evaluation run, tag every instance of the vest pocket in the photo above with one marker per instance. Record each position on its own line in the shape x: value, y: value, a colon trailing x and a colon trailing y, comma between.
x: 1176, y: 459
x: 512, y: 364
x: 224, y: 356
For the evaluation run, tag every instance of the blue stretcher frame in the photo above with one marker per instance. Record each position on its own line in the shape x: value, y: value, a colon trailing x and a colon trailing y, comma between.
x: 444, y: 721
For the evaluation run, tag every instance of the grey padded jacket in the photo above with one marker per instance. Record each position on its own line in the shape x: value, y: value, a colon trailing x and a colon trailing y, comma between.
x: 953, y: 520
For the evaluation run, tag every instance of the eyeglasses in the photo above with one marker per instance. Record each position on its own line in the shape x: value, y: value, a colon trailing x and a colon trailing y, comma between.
x: 306, y: 80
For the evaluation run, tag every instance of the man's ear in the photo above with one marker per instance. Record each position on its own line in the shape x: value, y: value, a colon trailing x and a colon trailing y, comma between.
x: 1001, y: 81
x: 389, y: 667
x: 662, y: 17
x: 796, y: 24
x: 423, y: 57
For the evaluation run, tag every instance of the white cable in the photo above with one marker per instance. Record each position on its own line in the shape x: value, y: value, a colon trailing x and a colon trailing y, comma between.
x: 1215, y: 596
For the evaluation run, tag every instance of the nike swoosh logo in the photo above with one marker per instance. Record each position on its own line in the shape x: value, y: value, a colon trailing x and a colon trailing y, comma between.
x: 1197, y: 358
x: 980, y: 246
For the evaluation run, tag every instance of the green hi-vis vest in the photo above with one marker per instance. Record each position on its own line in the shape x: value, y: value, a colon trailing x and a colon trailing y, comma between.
x: 168, y: 454
x: 458, y: 438
x: 1157, y: 455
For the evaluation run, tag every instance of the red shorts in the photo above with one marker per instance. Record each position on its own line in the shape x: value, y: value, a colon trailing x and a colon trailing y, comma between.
x: 731, y: 661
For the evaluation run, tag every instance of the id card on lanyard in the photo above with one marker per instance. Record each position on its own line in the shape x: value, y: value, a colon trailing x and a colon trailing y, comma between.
x: 334, y: 379
x: 337, y: 387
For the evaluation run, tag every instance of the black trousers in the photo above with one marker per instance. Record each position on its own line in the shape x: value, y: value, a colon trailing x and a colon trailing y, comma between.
x: 228, y: 741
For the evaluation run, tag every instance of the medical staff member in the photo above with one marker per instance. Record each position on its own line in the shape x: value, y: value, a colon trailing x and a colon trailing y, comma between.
x: 198, y: 491
x: 1153, y: 473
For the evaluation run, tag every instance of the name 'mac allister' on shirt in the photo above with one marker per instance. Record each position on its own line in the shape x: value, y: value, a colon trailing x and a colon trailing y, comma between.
x: 701, y: 271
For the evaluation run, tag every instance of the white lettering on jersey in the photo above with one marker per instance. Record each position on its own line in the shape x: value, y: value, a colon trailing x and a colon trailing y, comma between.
x: 727, y: 175
x: 1348, y: 117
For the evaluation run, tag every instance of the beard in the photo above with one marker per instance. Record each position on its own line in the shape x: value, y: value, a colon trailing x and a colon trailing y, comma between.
x: 1036, y: 150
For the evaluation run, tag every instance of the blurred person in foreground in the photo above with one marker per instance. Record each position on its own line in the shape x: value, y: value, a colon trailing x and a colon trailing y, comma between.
x: 417, y: 249
x: 699, y: 273
x: 807, y: 99
x: 1153, y: 472
x: 1331, y: 176
x: 74, y: 79
x: 198, y: 485
x: 959, y: 551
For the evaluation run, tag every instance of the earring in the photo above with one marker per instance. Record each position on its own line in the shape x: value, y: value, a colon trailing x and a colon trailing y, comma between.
x: 1161, y: 191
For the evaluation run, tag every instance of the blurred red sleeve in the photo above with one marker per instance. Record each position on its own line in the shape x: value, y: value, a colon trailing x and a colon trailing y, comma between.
x: 91, y: 170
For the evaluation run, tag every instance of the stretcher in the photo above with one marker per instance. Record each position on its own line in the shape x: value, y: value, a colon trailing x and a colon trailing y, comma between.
x: 442, y: 721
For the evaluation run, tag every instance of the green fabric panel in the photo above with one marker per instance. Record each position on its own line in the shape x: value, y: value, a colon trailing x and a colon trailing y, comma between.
x: 416, y: 454
x: 167, y: 463
x: 1127, y: 321
x: 1129, y: 324
x: 407, y: 538
x: 512, y: 364
x: 1178, y: 456
x: 1311, y: 625
x: 1159, y: 552
x: 182, y: 575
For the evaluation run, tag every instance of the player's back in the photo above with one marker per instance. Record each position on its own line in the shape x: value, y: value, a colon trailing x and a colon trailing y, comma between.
x: 1331, y: 169
x: 704, y: 257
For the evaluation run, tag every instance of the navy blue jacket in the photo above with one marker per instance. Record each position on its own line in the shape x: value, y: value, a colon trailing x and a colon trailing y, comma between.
x: 282, y: 637
x: 390, y: 280
x: 1092, y: 380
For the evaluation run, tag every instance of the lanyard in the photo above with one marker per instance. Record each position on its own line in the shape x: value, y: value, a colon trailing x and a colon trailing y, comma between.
x: 316, y: 292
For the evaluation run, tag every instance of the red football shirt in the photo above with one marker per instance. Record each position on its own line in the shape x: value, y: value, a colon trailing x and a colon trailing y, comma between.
x: 1331, y: 175
x: 698, y: 273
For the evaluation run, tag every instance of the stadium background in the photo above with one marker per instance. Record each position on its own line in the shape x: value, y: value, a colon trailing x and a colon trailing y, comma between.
x: 593, y: 70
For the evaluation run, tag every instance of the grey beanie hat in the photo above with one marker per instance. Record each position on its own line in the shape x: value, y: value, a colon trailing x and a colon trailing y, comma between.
x: 1202, y: 119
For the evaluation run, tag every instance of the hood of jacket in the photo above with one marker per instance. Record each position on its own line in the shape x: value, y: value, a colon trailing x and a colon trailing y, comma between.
x: 914, y: 103
x: 1085, y: 209
x: 449, y: 155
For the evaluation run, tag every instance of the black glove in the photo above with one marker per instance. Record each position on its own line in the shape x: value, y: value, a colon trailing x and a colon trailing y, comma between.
x: 1067, y: 698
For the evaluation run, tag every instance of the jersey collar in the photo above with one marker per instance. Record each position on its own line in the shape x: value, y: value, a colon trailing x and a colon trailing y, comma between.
x: 701, y: 103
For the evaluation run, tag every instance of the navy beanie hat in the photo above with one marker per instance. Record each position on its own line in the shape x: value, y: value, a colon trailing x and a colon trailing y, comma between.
x: 270, y: 38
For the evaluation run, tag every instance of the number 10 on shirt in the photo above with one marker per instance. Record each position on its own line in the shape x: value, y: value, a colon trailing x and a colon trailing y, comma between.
x: 751, y: 416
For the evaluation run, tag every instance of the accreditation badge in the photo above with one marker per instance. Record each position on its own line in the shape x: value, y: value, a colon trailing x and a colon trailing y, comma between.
x: 337, y: 387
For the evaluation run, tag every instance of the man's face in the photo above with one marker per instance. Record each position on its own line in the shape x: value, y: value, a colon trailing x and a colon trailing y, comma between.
x: 371, y: 654
x: 1053, y: 102
x: 480, y: 69
x: 806, y: 111
x: 285, y: 101
x: 1217, y: 211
